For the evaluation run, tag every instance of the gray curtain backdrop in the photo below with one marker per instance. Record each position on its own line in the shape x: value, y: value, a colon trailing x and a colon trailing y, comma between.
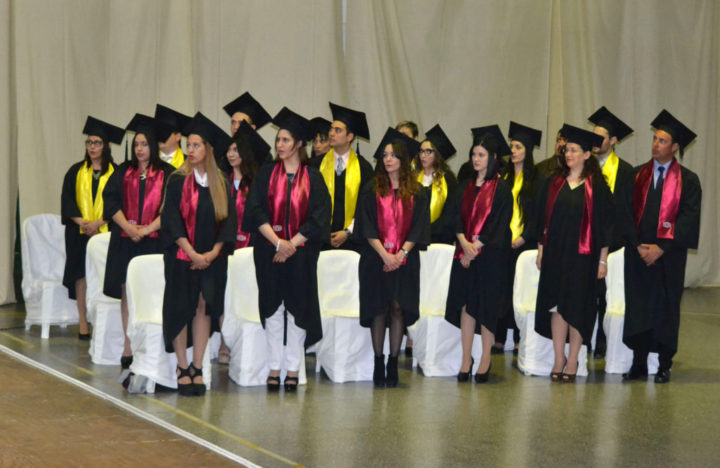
x: 459, y: 63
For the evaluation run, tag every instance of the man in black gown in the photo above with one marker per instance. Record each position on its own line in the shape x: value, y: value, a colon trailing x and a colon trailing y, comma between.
x: 549, y: 165
x: 663, y: 223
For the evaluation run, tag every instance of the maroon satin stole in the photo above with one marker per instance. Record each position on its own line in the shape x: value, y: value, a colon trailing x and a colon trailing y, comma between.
x: 585, y: 242
x: 151, y: 202
x: 475, y: 210
x: 243, y: 238
x: 188, y: 211
x: 669, y: 201
x: 394, y: 217
x: 277, y: 201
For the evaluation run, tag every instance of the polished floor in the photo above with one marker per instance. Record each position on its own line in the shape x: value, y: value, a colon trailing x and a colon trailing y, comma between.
x: 512, y: 421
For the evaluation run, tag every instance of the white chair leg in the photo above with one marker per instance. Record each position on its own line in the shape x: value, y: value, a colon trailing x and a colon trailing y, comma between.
x: 45, y: 331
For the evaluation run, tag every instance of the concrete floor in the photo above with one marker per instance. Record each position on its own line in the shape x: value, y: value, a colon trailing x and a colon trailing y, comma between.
x: 512, y: 421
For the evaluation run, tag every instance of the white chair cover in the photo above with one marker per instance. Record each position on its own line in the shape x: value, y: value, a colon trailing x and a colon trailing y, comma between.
x: 535, y: 353
x: 618, y: 357
x: 345, y: 351
x: 242, y: 331
x: 43, y: 261
x: 145, y: 286
x: 107, y: 342
x: 436, y: 343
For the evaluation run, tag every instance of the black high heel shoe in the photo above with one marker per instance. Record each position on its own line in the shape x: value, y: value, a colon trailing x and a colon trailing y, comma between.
x: 558, y: 376
x: 465, y: 376
x: 291, y: 383
x: 484, y: 377
x: 391, y: 380
x: 126, y: 361
x: 188, y: 388
x: 198, y: 388
x: 569, y: 378
x: 273, y: 383
x: 379, y: 371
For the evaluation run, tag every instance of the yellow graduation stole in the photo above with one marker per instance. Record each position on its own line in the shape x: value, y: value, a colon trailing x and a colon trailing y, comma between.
x: 610, y: 169
x: 352, y: 182
x: 516, y: 224
x: 178, y: 158
x: 91, y: 210
x: 439, y: 193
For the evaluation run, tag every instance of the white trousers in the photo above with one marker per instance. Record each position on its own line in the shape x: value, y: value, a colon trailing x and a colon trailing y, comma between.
x: 294, y: 350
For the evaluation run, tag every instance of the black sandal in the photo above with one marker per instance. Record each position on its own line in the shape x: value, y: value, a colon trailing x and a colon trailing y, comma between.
x: 291, y: 383
x: 273, y: 383
x: 198, y: 388
x: 188, y: 388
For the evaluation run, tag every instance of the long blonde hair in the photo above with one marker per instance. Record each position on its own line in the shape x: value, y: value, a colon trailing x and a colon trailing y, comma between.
x: 216, y: 181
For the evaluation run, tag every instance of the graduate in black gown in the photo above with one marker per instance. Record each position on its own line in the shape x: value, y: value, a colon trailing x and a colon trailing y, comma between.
x: 245, y: 108
x: 198, y: 229
x: 573, y: 238
x: 482, y: 210
x: 133, y: 196
x: 321, y: 142
x: 438, y: 181
x: 394, y: 221
x: 288, y: 211
x: 525, y: 182
x: 548, y: 166
x: 663, y: 224
x: 82, y: 208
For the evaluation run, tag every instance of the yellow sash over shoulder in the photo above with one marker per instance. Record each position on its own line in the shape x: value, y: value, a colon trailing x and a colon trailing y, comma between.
x: 610, y: 169
x: 89, y: 209
x: 438, y: 197
x: 352, y: 182
x: 516, y: 224
x: 178, y: 158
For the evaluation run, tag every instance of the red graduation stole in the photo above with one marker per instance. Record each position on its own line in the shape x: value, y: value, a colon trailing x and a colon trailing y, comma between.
x: 394, y: 216
x: 475, y: 210
x: 585, y: 243
x: 188, y: 211
x: 669, y: 201
x: 243, y: 238
x: 277, y: 201
x: 151, y: 202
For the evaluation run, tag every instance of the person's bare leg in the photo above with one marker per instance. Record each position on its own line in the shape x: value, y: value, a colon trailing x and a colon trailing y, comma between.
x: 559, y: 329
x: 574, y: 353
x: 201, y: 336
x: 467, y: 333
x: 81, y: 295
x: 127, y: 351
x: 180, y: 345
x: 488, y: 338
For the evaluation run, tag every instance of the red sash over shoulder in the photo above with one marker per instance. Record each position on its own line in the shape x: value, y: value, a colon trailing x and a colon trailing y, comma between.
x: 277, y: 201
x: 669, y: 203
x: 394, y: 216
x: 585, y: 243
x: 475, y: 210
x: 151, y: 201
x: 188, y: 211
x: 243, y: 238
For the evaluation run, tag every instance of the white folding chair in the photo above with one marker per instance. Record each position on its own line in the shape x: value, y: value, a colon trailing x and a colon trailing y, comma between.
x: 436, y: 342
x: 107, y: 342
x: 242, y: 330
x: 145, y: 286
x: 618, y: 357
x: 43, y: 261
x: 535, y: 353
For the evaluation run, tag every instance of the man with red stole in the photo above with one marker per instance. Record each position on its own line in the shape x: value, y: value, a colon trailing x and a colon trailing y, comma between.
x: 664, y: 223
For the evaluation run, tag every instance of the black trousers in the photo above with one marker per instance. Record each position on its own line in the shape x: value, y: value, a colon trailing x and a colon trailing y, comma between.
x: 600, y: 340
x: 642, y: 345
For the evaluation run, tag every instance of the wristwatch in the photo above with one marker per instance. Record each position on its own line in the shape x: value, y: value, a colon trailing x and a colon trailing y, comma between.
x: 405, y: 252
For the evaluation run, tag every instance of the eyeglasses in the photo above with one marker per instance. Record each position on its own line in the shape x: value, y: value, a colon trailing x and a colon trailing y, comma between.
x: 91, y: 143
x: 427, y: 151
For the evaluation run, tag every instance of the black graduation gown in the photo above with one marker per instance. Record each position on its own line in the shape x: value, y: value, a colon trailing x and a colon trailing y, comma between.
x: 622, y: 197
x: 652, y: 294
x: 466, y: 172
x: 548, y: 166
x: 295, y: 281
x: 378, y: 288
x: 183, y: 285
x: 568, y: 280
x: 479, y: 288
x: 442, y: 231
x: 75, y: 242
x: 122, y: 249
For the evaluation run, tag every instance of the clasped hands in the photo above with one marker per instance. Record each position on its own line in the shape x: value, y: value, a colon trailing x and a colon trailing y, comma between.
x: 650, y: 253
x: 470, y: 251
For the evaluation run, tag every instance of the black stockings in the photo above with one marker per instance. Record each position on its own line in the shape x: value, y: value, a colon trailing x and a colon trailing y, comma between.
x: 392, y: 317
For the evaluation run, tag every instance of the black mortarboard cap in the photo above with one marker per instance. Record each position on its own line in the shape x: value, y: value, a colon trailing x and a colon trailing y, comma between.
x: 440, y: 140
x: 108, y: 132
x: 320, y: 126
x: 586, y: 139
x: 174, y: 119
x: 681, y: 135
x: 355, y: 121
x: 495, y: 132
x: 211, y: 133
x: 526, y: 135
x: 296, y: 124
x: 248, y: 105
x: 259, y: 147
x: 412, y: 146
x: 144, y: 123
x: 607, y: 120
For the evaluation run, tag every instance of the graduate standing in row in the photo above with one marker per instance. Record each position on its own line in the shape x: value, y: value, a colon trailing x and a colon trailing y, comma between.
x: 133, y: 197
x: 288, y: 209
x: 82, y: 208
x: 320, y: 143
x: 170, y: 150
x: 394, y: 220
x: 198, y: 228
x: 482, y: 210
x: 245, y: 108
x: 663, y: 225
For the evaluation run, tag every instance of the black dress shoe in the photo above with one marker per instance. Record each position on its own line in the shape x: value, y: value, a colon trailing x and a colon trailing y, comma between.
x: 662, y: 376
x: 636, y: 373
x: 408, y: 351
x: 379, y: 371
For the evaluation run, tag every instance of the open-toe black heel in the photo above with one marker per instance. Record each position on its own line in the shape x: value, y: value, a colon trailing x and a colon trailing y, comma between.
x: 198, y: 388
x: 273, y: 383
x: 558, y: 376
x: 291, y: 383
x: 465, y: 376
x: 125, y: 361
x: 188, y: 388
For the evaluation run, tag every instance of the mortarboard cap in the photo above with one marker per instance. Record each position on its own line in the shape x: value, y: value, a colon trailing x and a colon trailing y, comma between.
x: 320, y: 126
x: 496, y: 134
x: 411, y: 145
x: 681, y: 135
x: 296, y: 124
x: 248, y: 105
x: 355, y: 121
x: 108, y: 132
x: 527, y: 136
x: 259, y: 147
x: 440, y: 140
x: 174, y: 119
x: 586, y: 139
x: 141, y: 123
x: 607, y: 120
x: 211, y: 133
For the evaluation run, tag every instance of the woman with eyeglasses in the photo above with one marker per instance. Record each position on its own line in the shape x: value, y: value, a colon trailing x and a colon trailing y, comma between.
x: 82, y: 208
x: 482, y: 210
x: 395, y: 222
